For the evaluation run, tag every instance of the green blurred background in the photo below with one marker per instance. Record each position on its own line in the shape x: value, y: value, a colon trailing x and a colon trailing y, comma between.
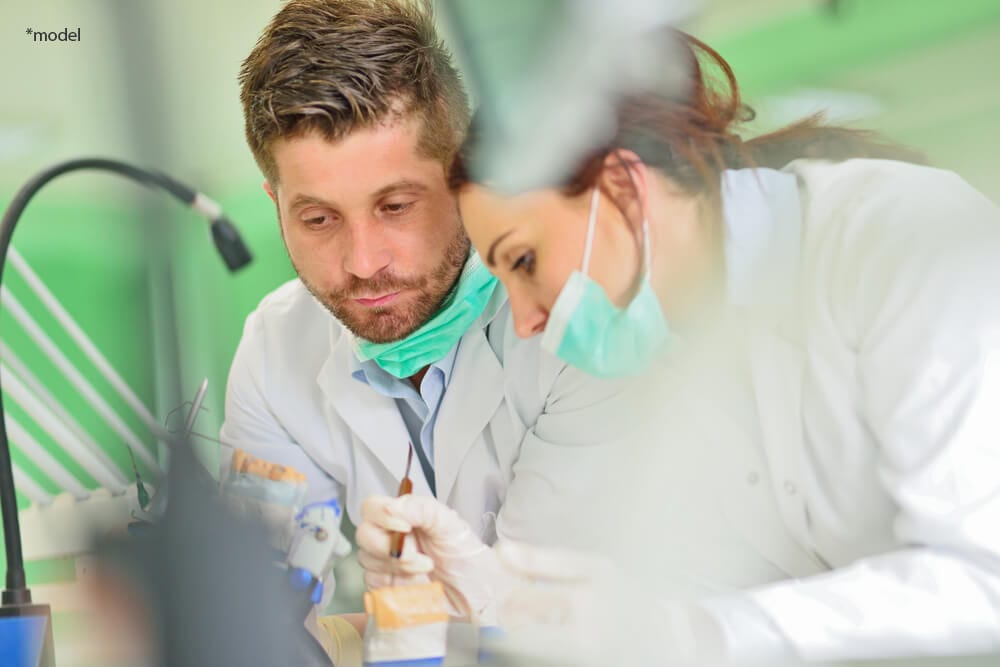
x: 923, y: 71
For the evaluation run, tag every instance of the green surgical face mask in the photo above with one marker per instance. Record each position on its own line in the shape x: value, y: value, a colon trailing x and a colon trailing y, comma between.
x: 432, y: 341
x: 586, y: 330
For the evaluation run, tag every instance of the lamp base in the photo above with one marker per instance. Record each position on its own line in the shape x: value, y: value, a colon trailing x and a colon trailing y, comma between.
x: 26, y: 635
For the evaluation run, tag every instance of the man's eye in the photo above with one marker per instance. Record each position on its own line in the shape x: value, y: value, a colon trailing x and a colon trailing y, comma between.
x: 397, y: 208
x: 525, y: 262
x: 317, y: 221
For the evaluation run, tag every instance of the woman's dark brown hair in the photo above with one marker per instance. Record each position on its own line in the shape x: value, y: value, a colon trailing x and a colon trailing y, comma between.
x: 692, y: 137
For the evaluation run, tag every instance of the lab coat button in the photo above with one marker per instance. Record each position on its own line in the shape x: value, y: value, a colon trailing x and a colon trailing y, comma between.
x: 789, y: 487
x: 753, y: 478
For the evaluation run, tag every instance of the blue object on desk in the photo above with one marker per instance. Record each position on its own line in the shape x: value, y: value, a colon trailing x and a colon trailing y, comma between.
x: 25, y: 636
x: 488, y: 634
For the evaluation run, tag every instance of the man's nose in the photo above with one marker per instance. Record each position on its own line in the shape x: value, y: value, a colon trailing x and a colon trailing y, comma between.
x: 367, y: 252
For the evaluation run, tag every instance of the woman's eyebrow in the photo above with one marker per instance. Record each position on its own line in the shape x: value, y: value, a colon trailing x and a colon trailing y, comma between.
x: 493, y: 247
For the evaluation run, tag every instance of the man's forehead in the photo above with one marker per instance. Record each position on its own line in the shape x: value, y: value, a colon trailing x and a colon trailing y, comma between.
x: 373, y: 159
x: 302, y: 199
x: 398, y: 140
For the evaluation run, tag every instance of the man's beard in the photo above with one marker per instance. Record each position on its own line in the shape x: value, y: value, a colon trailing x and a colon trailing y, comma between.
x: 395, y: 322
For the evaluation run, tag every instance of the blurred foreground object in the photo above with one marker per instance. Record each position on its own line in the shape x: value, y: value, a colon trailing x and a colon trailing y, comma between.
x: 208, y: 584
x: 308, y: 539
x: 268, y: 493
x: 572, y: 608
x: 547, y: 81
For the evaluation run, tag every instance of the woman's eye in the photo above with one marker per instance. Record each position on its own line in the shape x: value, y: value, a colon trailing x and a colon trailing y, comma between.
x: 525, y: 262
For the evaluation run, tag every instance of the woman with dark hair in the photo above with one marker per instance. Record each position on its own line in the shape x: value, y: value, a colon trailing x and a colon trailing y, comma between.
x: 815, y: 318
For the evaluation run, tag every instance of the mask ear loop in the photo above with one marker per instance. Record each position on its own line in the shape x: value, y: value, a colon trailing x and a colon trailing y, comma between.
x: 591, y: 224
x: 647, y: 251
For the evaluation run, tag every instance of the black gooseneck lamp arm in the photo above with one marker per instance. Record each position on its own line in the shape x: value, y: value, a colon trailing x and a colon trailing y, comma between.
x: 229, y: 244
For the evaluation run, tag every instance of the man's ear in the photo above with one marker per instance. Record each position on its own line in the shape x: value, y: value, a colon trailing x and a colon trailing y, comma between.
x: 623, y: 180
x: 274, y: 197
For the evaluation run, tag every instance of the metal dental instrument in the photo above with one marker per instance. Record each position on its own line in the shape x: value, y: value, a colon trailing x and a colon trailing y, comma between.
x: 405, y: 486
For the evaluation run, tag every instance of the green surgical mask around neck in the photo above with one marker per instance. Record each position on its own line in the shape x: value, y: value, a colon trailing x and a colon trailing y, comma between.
x: 434, y: 339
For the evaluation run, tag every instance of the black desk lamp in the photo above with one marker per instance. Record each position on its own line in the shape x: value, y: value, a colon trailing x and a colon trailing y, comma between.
x: 16, y: 601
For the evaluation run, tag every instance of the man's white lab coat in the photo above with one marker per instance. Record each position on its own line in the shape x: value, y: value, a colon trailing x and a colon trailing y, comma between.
x: 518, y: 438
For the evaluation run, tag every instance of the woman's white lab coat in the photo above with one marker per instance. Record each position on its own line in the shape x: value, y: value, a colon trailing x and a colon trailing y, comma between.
x: 869, y: 493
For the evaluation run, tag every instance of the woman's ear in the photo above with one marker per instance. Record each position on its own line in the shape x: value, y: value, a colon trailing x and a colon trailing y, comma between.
x: 623, y: 181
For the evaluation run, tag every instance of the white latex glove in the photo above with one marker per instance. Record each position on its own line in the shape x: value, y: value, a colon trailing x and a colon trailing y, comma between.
x: 575, y: 608
x: 439, y: 545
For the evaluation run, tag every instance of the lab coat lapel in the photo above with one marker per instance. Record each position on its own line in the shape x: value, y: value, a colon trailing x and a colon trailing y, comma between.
x: 475, y: 391
x: 374, y: 419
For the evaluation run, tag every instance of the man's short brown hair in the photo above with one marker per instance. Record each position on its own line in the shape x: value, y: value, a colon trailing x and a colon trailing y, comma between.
x: 334, y: 66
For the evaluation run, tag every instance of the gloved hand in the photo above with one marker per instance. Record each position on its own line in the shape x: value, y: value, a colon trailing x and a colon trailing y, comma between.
x: 575, y: 608
x: 439, y: 545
